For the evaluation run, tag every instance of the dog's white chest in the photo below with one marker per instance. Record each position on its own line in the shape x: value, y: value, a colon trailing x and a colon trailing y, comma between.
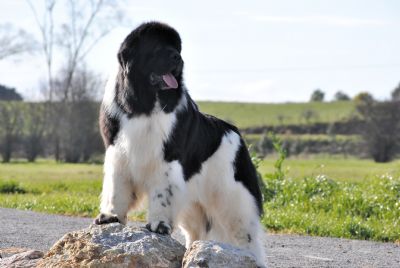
x: 142, y: 139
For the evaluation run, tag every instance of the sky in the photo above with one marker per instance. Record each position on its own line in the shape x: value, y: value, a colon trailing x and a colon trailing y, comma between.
x: 250, y: 51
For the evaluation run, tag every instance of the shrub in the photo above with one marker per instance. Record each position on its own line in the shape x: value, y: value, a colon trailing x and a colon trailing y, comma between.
x: 11, y: 187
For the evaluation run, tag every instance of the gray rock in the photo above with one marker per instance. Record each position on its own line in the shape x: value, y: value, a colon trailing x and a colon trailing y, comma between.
x: 215, y: 254
x: 114, y: 245
x: 26, y: 259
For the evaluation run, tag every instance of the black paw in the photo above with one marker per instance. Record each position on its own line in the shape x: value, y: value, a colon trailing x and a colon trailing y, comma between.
x: 105, y: 219
x: 160, y: 228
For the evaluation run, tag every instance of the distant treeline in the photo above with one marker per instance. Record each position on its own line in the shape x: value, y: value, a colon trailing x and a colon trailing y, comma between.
x: 9, y: 94
x: 295, y: 145
x: 352, y: 126
x: 69, y: 132
x: 65, y: 131
x: 376, y: 127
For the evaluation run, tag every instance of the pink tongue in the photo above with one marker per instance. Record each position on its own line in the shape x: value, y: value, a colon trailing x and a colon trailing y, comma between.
x: 170, y: 80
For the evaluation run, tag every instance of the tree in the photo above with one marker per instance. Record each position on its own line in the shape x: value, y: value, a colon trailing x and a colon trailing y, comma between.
x: 9, y: 94
x: 11, y: 123
x: 46, y: 27
x: 77, y: 131
x: 35, y: 123
x: 363, y: 98
x: 318, y: 96
x: 341, y: 96
x: 396, y: 93
x: 381, y: 132
x: 14, y: 41
x: 85, y: 23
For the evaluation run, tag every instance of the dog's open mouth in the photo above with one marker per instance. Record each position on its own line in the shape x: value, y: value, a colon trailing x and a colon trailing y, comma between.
x: 170, y: 81
x: 166, y: 81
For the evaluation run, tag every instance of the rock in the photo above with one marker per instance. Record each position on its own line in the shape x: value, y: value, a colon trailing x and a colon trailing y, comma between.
x: 25, y: 259
x: 8, y: 252
x: 114, y: 245
x: 215, y: 254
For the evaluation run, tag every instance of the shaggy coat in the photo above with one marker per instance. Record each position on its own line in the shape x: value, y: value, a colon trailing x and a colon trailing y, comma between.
x: 193, y: 168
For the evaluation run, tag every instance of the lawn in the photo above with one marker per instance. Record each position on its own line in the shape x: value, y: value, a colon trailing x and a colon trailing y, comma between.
x: 338, y: 168
x: 69, y: 189
x: 319, y: 196
x: 260, y: 114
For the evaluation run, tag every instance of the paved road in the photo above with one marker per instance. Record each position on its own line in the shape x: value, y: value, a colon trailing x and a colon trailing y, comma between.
x: 39, y: 231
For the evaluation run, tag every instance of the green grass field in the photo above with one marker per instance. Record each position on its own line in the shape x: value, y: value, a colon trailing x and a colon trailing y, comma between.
x: 69, y: 189
x: 352, y: 199
x: 337, y: 168
x: 260, y: 114
x: 333, y: 197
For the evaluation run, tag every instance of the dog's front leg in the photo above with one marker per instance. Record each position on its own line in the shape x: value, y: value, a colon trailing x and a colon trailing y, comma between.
x: 117, y: 195
x: 165, y: 199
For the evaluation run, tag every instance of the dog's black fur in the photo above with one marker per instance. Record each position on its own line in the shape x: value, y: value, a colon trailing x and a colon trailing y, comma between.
x: 147, y: 53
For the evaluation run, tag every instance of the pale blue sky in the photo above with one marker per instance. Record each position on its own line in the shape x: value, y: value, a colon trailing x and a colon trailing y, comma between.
x: 264, y: 51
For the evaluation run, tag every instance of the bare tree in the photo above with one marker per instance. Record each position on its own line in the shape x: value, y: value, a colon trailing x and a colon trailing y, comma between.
x: 86, y: 23
x: 74, y: 35
x: 14, y: 41
x: 77, y: 130
x: 45, y: 22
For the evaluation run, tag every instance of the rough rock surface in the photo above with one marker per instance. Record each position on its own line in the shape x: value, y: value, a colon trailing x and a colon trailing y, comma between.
x: 215, y: 254
x: 22, y: 258
x: 114, y: 245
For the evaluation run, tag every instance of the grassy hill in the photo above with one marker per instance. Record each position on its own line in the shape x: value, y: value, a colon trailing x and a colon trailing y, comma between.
x: 261, y: 114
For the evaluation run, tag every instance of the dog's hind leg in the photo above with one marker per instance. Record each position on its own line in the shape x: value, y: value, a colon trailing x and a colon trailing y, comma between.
x: 237, y: 218
x: 117, y: 195
x: 194, y: 223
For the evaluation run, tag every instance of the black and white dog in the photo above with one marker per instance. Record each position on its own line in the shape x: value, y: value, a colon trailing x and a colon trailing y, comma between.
x: 193, y: 168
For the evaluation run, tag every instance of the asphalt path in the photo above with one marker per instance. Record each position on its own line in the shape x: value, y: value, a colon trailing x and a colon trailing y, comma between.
x: 27, y: 229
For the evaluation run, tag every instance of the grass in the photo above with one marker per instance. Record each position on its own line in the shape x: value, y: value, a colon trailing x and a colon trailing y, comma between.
x: 324, y: 207
x: 318, y: 205
x: 260, y: 114
x: 68, y: 189
x: 318, y: 196
x: 338, y: 168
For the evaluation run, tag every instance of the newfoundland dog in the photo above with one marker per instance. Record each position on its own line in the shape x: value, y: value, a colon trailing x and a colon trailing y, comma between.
x: 194, y: 169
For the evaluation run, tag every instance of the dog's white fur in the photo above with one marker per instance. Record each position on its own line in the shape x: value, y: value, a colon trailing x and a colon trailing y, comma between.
x: 135, y: 164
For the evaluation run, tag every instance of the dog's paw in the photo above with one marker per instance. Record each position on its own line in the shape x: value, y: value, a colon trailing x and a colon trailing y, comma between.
x: 159, y: 227
x: 105, y: 219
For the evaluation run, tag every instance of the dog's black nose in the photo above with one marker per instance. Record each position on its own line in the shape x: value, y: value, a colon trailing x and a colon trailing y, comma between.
x: 175, y: 57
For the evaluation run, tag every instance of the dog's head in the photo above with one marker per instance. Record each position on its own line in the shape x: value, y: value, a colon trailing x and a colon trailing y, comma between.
x: 150, y: 58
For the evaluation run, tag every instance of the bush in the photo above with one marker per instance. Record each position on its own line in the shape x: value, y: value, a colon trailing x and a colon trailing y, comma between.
x: 11, y: 187
x: 381, y: 130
